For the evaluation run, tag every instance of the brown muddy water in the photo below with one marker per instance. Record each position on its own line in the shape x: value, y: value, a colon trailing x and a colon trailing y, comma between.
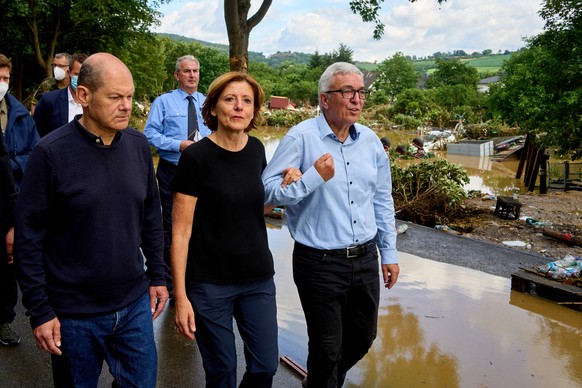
x: 447, y: 326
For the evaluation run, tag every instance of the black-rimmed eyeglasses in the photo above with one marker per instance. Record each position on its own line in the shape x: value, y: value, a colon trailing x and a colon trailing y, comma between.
x: 348, y: 94
x: 64, y: 67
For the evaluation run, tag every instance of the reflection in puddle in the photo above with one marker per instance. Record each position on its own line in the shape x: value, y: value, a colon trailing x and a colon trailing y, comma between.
x: 448, y: 326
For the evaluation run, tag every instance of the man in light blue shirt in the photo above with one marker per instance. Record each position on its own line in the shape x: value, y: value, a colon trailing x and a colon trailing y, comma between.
x: 340, y: 213
x: 170, y: 128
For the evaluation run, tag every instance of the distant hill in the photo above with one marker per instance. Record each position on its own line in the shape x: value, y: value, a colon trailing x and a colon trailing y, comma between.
x: 486, y: 64
x: 274, y: 60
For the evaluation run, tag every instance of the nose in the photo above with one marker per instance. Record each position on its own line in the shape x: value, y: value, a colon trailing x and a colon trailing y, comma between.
x: 126, y: 104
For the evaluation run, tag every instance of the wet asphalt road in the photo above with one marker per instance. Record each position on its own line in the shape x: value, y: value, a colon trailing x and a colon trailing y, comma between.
x: 179, y: 361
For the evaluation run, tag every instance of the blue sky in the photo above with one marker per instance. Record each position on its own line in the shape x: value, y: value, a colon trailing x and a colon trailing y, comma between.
x: 419, y: 28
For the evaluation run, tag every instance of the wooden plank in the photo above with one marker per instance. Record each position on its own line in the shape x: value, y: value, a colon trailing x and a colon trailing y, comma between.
x: 538, y: 285
x: 294, y: 366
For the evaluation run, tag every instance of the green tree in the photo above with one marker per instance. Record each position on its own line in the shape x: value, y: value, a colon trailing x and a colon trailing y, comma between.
x: 37, y: 30
x: 452, y: 72
x: 541, y: 86
x: 395, y: 75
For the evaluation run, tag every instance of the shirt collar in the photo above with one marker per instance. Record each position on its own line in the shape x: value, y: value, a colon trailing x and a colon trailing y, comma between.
x: 4, y: 105
x: 183, y: 94
x: 92, y: 138
x: 325, y: 130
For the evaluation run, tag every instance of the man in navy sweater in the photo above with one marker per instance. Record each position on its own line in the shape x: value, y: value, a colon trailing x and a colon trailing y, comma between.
x: 87, y: 214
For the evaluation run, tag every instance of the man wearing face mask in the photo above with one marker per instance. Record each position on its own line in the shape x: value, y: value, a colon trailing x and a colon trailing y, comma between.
x: 17, y: 126
x: 59, y: 80
x: 58, y: 107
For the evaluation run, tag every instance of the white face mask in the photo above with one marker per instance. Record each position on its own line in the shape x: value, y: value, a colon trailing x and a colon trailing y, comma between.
x: 59, y: 73
x: 3, y: 90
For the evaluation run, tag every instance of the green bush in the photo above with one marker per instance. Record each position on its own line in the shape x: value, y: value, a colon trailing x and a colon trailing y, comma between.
x: 428, y: 191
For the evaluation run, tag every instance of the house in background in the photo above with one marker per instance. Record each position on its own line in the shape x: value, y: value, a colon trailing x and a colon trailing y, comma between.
x: 485, y: 83
x: 278, y: 102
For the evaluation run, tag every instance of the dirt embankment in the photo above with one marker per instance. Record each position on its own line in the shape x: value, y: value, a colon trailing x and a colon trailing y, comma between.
x: 555, y: 211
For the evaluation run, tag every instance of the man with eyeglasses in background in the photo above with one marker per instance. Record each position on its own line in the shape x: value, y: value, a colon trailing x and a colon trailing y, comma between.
x: 59, y: 80
x: 340, y: 213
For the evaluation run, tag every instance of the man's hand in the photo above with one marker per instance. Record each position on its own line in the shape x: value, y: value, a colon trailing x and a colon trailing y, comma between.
x: 325, y: 167
x: 48, y: 336
x: 185, y: 143
x: 158, y: 298
x: 390, y: 272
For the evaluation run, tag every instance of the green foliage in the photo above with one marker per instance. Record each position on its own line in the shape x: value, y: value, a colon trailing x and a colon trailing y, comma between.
x: 407, y: 122
x: 286, y: 118
x: 541, y: 87
x: 422, y: 190
x: 395, y: 75
x: 451, y: 72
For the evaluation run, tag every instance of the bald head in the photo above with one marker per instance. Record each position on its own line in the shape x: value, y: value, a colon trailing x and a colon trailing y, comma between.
x: 99, y: 68
x: 105, y: 90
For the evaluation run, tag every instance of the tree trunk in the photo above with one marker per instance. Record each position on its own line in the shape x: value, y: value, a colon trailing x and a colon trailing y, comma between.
x: 239, y: 27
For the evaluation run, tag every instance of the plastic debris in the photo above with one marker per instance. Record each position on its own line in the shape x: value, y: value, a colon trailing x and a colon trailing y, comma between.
x: 567, y: 267
x: 402, y: 229
x: 515, y: 243
x: 533, y: 222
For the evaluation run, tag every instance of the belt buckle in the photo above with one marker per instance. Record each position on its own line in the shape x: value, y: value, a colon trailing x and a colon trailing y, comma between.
x: 351, y: 256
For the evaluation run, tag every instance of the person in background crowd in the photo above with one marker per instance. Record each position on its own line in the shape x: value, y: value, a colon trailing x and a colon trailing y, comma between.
x: 174, y: 123
x: 385, y: 143
x: 18, y: 127
x: 87, y: 215
x: 59, y: 80
x: 339, y: 213
x: 416, y: 149
x: 58, y: 107
x: 8, y: 286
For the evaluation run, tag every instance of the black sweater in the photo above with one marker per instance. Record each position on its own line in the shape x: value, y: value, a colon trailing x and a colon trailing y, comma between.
x: 83, y: 213
x: 229, y: 238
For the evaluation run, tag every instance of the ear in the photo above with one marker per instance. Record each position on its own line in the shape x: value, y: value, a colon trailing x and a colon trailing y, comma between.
x: 83, y: 95
x: 324, y: 100
x: 212, y: 112
x: 176, y: 76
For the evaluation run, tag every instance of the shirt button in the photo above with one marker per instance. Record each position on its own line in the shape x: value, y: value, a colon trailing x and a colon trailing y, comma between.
x: 355, y: 222
x: 97, y: 140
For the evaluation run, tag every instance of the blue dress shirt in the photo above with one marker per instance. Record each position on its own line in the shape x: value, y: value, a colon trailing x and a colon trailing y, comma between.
x: 167, y: 123
x: 351, y: 208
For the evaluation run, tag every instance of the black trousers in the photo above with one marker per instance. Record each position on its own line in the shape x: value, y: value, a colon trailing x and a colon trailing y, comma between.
x: 8, y: 286
x: 165, y: 173
x: 340, y: 298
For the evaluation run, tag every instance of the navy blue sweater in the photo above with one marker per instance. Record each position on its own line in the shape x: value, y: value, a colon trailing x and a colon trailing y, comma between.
x: 83, y: 213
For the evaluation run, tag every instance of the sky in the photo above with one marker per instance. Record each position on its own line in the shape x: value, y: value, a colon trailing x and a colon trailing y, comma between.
x: 416, y: 29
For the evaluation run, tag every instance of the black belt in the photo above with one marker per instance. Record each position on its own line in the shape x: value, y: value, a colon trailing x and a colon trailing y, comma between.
x: 352, y: 252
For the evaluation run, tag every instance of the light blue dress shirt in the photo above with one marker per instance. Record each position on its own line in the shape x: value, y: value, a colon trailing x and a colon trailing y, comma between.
x: 167, y: 123
x: 351, y: 208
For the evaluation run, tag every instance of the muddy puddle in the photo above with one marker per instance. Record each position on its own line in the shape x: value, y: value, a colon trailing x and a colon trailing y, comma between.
x: 448, y: 326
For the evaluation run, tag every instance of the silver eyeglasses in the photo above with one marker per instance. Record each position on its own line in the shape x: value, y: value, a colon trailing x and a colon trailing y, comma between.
x: 348, y: 94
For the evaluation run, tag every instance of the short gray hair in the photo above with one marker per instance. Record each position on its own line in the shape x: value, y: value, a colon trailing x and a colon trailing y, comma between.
x: 186, y: 58
x: 327, y: 78
x: 67, y: 56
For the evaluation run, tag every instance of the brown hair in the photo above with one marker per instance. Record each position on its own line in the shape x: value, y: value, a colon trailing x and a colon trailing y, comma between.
x: 5, y: 62
x: 217, y: 87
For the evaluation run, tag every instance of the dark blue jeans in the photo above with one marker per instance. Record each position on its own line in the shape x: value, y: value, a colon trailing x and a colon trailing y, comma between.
x: 340, y: 299
x: 253, y: 306
x: 124, y: 339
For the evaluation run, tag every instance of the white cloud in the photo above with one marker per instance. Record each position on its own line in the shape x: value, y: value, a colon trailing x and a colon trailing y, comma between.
x: 419, y: 28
